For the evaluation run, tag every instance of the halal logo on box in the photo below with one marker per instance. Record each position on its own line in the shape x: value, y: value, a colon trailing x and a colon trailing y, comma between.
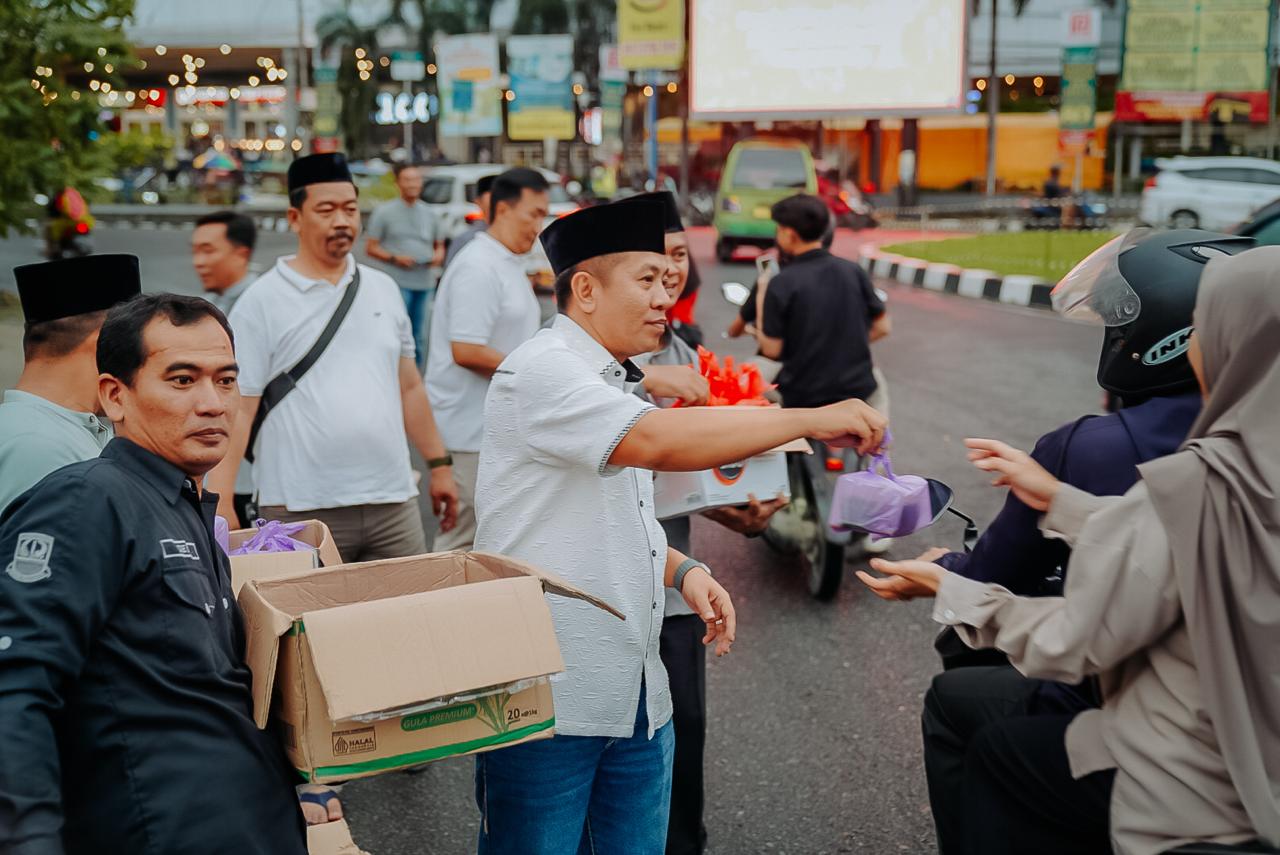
x: 356, y: 741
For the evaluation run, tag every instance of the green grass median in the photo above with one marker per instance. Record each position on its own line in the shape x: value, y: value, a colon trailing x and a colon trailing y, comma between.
x: 1047, y: 254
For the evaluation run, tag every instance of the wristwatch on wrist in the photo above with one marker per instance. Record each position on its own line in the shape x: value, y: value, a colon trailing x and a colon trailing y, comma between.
x: 437, y: 462
x: 683, y: 570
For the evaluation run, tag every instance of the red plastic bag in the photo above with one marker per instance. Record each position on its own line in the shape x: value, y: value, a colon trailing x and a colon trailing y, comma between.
x: 732, y: 385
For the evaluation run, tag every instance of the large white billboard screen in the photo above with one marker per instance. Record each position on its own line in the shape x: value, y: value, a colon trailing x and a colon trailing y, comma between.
x: 801, y: 59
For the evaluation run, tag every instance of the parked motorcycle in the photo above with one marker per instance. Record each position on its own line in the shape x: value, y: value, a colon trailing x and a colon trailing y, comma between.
x: 801, y: 527
x: 68, y: 229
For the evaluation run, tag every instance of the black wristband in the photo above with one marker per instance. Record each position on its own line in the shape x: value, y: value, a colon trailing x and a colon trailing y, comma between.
x: 437, y: 462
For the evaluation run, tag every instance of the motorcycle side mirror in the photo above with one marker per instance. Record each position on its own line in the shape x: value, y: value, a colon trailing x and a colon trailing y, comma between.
x: 735, y: 293
x: 941, y: 498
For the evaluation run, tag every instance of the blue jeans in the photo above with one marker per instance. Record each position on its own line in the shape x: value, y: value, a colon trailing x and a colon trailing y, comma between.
x: 418, y: 305
x: 578, y: 794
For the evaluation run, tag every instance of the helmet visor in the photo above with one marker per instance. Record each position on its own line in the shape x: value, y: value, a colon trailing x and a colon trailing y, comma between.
x: 1095, y: 289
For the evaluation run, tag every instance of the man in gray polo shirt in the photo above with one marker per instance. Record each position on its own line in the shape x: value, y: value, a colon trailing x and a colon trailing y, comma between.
x: 562, y: 484
x: 402, y: 237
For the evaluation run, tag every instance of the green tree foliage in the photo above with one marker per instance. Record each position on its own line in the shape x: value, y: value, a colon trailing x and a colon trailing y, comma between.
x: 339, y: 32
x: 45, y: 131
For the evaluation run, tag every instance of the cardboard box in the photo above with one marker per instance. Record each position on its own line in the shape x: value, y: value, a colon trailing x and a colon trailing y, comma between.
x: 764, y: 476
x: 264, y: 565
x: 331, y: 838
x: 367, y: 668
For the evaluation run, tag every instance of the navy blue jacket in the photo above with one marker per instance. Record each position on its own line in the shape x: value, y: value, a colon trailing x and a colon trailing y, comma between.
x: 1097, y: 454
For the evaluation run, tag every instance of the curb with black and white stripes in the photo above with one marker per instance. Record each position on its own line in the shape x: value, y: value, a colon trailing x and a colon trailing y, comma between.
x: 1016, y: 290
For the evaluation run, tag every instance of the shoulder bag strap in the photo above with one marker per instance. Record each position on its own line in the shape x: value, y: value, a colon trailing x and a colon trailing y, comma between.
x: 282, y: 384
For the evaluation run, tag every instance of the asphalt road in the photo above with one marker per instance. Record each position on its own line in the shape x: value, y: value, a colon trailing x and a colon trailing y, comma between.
x: 813, y: 743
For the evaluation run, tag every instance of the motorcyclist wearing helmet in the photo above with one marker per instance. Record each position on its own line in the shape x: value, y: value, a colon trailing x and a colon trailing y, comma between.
x: 1142, y: 287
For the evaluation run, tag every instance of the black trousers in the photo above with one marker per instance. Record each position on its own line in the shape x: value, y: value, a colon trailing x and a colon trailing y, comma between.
x: 999, y: 779
x: 685, y: 659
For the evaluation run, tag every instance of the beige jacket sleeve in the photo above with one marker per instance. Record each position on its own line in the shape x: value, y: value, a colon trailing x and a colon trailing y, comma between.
x: 1120, y: 593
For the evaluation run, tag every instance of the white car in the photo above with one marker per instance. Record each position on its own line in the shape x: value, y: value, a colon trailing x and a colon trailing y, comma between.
x: 450, y: 192
x: 1208, y: 192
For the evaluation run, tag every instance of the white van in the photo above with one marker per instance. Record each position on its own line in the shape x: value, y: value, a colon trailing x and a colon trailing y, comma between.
x: 1208, y: 192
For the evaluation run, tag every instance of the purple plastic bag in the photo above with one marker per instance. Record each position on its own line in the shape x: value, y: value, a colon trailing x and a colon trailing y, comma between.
x: 222, y: 534
x: 273, y: 536
x: 884, y: 505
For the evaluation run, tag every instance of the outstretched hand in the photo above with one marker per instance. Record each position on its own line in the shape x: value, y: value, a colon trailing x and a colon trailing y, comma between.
x: 906, y: 580
x: 1014, y: 469
x: 710, y: 601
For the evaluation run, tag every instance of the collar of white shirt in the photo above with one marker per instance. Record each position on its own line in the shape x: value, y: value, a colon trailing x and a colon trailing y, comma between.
x: 498, y: 247
x: 623, y: 375
x: 306, y: 283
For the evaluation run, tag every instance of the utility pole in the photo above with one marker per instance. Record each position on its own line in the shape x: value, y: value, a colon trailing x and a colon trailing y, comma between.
x: 301, y: 70
x: 993, y: 108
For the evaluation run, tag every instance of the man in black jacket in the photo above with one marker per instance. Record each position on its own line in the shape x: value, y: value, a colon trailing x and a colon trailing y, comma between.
x: 123, y: 686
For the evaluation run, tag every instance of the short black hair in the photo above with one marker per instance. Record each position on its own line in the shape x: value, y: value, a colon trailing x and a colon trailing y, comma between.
x: 120, y: 347
x: 59, y: 337
x: 397, y: 168
x: 806, y: 214
x: 241, y: 230
x: 510, y: 186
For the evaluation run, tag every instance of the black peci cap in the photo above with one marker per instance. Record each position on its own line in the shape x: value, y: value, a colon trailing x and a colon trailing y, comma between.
x: 318, y: 169
x: 632, y: 225
x: 670, y: 209
x: 76, y: 286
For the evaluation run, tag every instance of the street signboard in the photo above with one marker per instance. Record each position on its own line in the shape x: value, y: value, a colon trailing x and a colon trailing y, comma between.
x: 1079, y: 88
x: 468, y: 79
x: 1179, y: 55
x: 540, y: 68
x: 1082, y: 28
x: 651, y: 34
x: 408, y: 66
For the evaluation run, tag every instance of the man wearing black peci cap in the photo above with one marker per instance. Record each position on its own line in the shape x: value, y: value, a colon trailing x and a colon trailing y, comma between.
x: 52, y: 417
x: 562, y: 484
x: 334, y: 446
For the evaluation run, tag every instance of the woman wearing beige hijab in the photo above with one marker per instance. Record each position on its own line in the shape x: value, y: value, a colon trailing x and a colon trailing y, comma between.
x: 1172, y: 598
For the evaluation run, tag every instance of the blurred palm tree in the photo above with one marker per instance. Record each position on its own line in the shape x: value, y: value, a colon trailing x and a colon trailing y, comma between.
x: 339, y: 31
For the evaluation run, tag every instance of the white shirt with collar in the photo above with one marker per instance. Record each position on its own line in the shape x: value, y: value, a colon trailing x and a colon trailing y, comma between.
x: 225, y: 301
x: 557, y: 408
x: 337, y: 439
x: 484, y: 298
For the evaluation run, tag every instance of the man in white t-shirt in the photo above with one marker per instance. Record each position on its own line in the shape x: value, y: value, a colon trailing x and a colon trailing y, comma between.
x: 563, y: 485
x: 334, y: 448
x: 485, y: 308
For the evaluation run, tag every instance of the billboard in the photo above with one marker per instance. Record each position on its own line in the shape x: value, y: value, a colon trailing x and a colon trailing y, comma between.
x: 1181, y: 55
x: 470, y: 99
x: 541, y: 68
x: 760, y: 59
x: 651, y: 34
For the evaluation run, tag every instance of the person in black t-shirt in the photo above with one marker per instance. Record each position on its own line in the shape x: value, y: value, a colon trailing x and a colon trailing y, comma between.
x: 819, y: 315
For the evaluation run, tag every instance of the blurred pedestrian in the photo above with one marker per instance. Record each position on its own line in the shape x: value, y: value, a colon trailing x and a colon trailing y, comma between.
x: 221, y: 252
x: 52, y: 417
x: 478, y: 224
x: 332, y: 444
x: 486, y: 310
x: 404, y: 242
